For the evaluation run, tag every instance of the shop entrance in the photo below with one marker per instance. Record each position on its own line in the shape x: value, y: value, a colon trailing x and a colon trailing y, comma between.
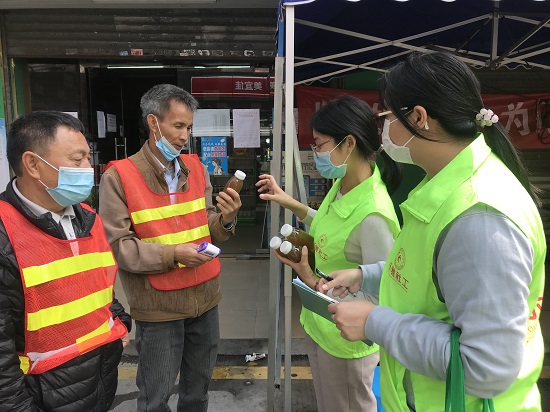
x: 106, y: 99
x: 115, y: 117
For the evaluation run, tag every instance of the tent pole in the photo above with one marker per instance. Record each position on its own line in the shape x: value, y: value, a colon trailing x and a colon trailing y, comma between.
x: 274, y: 304
x: 494, y: 34
x: 289, y: 185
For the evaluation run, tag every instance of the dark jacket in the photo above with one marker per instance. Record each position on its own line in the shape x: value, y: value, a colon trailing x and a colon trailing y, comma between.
x: 86, y: 383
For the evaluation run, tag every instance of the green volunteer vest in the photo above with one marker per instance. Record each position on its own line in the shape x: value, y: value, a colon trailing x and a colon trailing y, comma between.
x: 476, y: 175
x: 330, y: 229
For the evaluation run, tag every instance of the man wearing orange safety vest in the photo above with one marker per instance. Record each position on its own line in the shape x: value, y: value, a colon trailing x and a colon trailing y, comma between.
x: 61, y: 330
x: 157, y: 207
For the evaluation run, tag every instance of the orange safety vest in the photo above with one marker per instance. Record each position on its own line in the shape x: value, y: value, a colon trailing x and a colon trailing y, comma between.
x: 170, y: 219
x: 68, y: 288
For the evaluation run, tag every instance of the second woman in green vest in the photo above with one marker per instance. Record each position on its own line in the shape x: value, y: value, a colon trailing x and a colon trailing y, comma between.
x: 356, y: 223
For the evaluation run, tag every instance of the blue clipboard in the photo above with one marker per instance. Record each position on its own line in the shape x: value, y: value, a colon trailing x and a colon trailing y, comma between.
x: 317, y: 302
x: 313, y: 300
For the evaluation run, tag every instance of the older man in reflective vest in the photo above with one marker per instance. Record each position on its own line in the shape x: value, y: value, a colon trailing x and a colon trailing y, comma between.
x: 60, y: 328
x: 157, y: 207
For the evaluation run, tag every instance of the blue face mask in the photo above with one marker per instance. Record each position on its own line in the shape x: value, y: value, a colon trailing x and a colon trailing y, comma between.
x: 168, y: 151
x: 74, y: 184
x: 326, y: 168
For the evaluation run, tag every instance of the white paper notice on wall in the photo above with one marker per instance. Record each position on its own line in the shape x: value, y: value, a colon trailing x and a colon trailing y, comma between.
x: 111, y: 122
x: 246, y: 127
x: 211, y: 122
x: 4, y: 166
x: 100, y: 125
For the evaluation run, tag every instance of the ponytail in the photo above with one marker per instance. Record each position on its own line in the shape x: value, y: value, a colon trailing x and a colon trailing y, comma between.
x: 499, y: 142
x: 391, y: 172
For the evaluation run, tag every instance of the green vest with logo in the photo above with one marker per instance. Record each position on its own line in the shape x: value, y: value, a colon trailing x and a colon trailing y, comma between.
x: 331, y: 227
x: 475, y: 176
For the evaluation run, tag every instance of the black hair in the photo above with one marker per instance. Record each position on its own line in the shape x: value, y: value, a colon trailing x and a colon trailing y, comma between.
x: 158, y: 98
x: 35, y: 132
x: 348, y: 115
x: 450, y: 92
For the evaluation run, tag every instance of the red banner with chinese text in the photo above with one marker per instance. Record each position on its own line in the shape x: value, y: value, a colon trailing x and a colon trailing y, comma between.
x: 525, y: 117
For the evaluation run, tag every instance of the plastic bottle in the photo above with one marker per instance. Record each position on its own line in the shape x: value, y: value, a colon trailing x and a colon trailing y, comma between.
x: 299, y: 238
x: 290, y: 251
x: 236, y: 181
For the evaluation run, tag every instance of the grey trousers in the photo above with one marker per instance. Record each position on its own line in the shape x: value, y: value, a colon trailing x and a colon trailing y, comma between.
x: 188, y: 347
x: 343, y: 385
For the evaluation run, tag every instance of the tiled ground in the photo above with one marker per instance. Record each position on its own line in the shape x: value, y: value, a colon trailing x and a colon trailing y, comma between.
x: 244, y: 306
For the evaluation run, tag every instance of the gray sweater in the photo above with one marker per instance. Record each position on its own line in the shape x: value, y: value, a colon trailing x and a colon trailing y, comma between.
x: 482, y: 270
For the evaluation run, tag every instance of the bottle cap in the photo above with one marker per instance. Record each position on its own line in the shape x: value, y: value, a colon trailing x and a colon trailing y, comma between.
x: 240, y: 174
x: 286, y: 247
x: 275, y: 242
x: 286, y: 230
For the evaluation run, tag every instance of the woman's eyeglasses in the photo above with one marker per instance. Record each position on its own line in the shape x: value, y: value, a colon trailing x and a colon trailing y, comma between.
x: 316, y: 147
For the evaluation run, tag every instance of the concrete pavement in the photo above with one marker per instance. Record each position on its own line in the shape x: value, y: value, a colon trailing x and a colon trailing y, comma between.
x: 236, y: 386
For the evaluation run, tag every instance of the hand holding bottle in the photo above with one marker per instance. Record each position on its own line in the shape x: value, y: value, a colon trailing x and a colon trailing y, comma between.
x: 229, y: 200
x: 301, y: 268
x: 229, y: 203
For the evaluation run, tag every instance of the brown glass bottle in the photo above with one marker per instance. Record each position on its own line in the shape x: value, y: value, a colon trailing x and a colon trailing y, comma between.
x: 236, y: 181
x: 299, y: 238
x: 290, y: 251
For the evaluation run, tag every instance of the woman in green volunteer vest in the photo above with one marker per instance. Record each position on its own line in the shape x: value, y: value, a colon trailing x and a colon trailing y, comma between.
x: 470, y: 254
x: 355, y: 224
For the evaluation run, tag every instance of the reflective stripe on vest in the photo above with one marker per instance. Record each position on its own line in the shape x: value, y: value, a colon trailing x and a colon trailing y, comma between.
x: 170, y: 219
x: 36, y: 275
x: 55, y: 315
x: 163, y: 212
x: 68, y: 289
x: 84, y: 344
x: 474, y: 176
x: 185, y: 236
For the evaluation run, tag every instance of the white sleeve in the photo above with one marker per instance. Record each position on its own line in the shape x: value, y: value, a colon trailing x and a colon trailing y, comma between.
x: 375, y: 240
x: 374, y: 237
x: 309, y: 216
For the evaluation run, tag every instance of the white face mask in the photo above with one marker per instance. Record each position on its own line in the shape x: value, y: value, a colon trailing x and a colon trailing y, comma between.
x: 400, y: 154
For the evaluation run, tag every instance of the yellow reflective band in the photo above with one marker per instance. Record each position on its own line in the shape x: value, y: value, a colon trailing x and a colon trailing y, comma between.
x: 105, y: 328
x: 37, y: 275
x: 184, y: 236
x: 238, y: 372
x: 148, y: 215
x: 69, y: 311
x: 24, y: 364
